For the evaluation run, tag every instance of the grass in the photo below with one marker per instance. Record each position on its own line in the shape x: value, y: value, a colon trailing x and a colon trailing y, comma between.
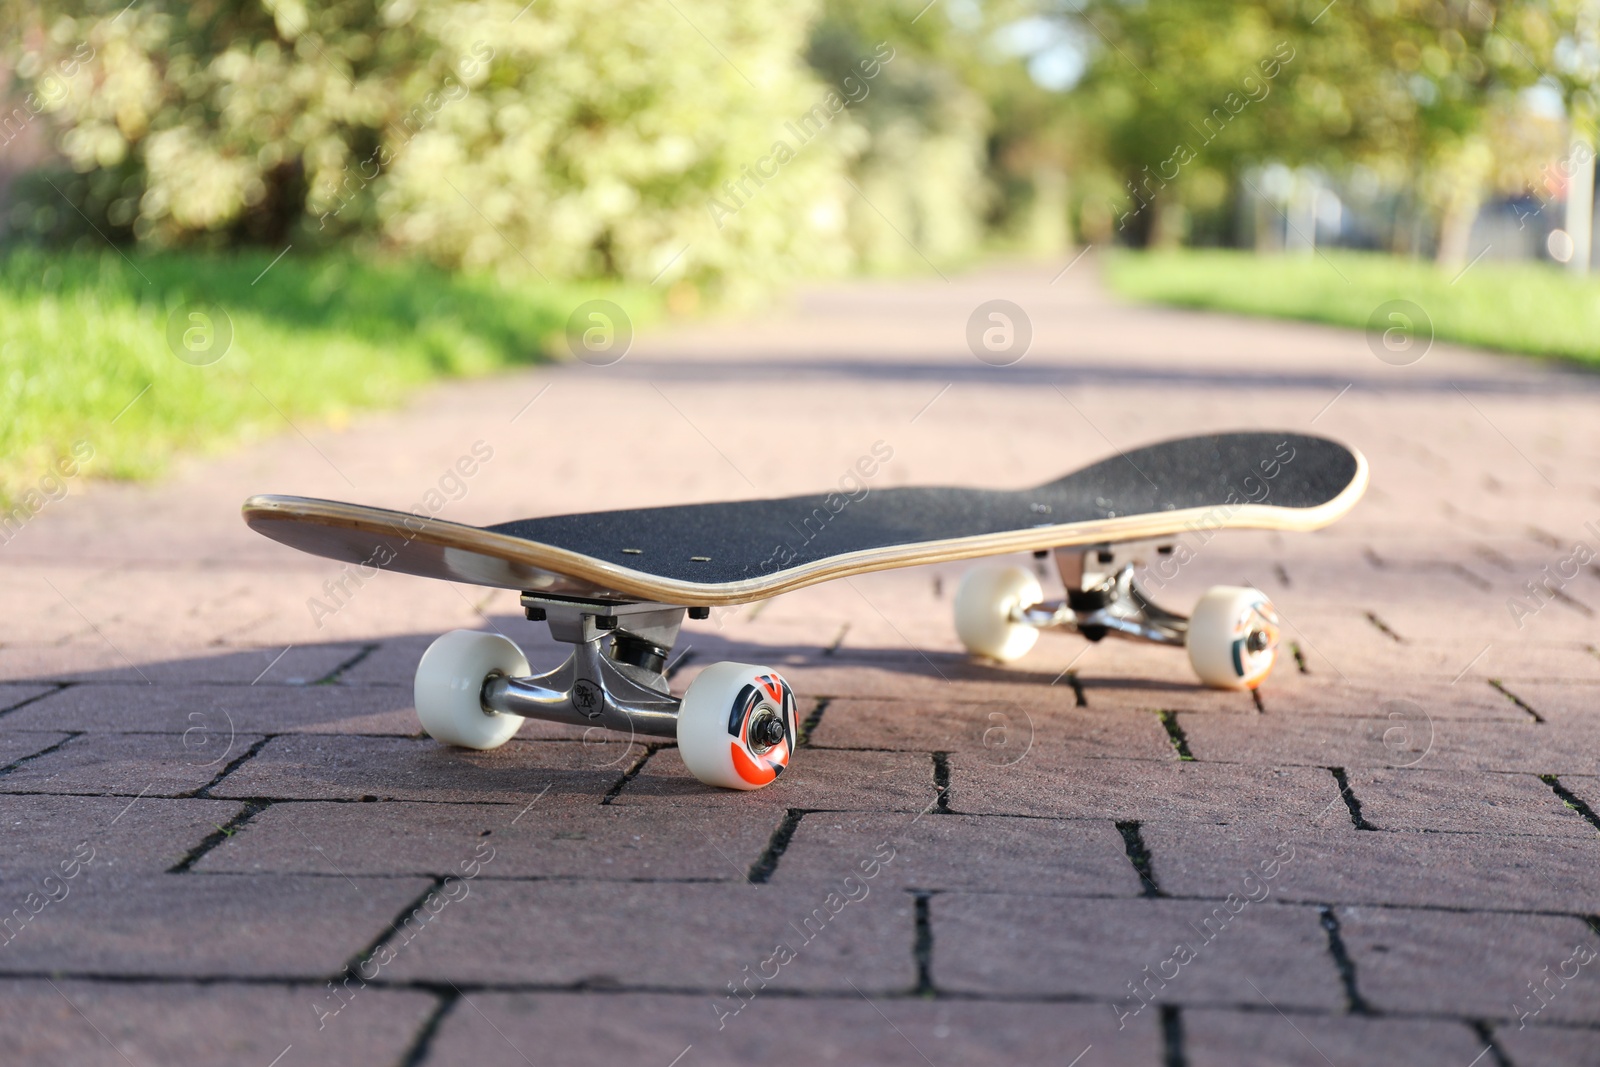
x: 86, y: 364
x: 1527, y: 307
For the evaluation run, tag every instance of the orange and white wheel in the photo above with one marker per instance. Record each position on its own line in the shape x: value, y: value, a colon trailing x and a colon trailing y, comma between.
x: 1233, y: 637
x: 736, y: 726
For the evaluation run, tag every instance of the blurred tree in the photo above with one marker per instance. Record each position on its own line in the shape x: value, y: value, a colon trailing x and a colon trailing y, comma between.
x: 1184, y: 95
x: 924, y: 170
x: 721, y: 142
x: 568, y: 138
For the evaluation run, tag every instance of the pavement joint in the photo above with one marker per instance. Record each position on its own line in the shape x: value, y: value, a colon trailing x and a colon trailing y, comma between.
x: 1491, y: 1047
x: 630, y: 773
x: 55, y: 687
x: 941, y: 782
x: 1354, y: 1001
x: 1172, y: 1045
x: 767, y: 863
x: 1500, y: 688
x: 1571, y: 800
x: 922, y: 945
x: 352, y: 968
x: 249, y: 810
x: 1175, y: 735
x: 333, y: 676
x: 1384, y: 628
x: 1139, y: 855
x: 204, y: 792
x: 1351, y: 801
x: 421, y: 1045
x: 17, y: 764
x: 812, y: 721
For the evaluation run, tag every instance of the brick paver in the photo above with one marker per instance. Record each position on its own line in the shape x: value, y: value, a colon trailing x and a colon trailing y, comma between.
x: 224, y: 840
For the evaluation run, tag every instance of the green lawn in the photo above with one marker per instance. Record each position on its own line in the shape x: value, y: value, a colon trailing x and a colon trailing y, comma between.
x: 1534, y: 308
x: 85, y: 358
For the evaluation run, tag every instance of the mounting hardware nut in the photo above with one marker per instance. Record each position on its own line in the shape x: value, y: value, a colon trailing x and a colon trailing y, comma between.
x: 605, y: 622
x: 699, y: 613
x: 534, y: 614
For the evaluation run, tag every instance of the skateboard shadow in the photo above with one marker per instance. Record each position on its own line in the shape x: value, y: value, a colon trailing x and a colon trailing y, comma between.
x: 364, y: 688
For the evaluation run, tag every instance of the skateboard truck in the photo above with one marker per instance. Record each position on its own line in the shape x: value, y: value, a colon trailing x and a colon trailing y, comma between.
x: 736, y: 725
x: 614, y: 678
x: 1101, y: 602
x: 1231, y: 636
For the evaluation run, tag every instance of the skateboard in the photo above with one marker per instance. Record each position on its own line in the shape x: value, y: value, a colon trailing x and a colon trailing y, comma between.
x: 617, y: 584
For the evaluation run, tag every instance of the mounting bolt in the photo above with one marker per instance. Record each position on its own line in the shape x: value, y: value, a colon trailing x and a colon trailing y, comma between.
x: 766, y: 730
x: 1041, y: 553
x: 534, y: 614
x: 1165, y: 550
x: 605, y: 622
x: 699, y: 613
x: 1104, y: 556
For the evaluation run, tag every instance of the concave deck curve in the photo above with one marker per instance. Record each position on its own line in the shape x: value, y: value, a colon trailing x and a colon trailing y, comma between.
x: 735, y: 552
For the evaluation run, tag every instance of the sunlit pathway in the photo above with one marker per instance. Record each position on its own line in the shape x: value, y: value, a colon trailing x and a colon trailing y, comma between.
x: 225, y: 840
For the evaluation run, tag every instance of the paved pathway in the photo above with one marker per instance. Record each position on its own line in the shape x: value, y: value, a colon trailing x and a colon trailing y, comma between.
x: 225, y: 841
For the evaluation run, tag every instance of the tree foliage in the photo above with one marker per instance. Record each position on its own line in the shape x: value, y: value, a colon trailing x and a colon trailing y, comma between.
x: 565, y: 138
x: 1418, y: 91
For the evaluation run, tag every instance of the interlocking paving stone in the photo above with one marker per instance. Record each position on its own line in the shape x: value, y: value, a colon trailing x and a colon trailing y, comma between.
x: 1548, y: 1046
x: 1005, y: 732
x: 17, y: 747
x: 131, y: 764
x: 667, y: 936
x: 1476, y: 964
x: 995, y: 853
x: 559, y: 841
x: 653, y: 1028
x: 1137, y: 789
x: 816, y: 778
x: 250, y: 709
x: 1559, y: 703
x: 1123, y: 683
x: 13, y: 696
x: 91, y: 660
x: 126, y: 835
x: 280, y: 926
x: 1396, y: 700
x: 306, y: 767
x: 1419, y: 799
x: 115, y: 1024
x: 1026, y: 945
x: 1411, y: 738
x: 1334, y: 861
x: 1268, y: 1039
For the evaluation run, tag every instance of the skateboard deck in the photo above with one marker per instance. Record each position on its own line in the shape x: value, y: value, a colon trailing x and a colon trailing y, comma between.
x: 740, y: 551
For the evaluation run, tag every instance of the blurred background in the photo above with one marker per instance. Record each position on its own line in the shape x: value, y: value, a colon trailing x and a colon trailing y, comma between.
x: 378, y: 194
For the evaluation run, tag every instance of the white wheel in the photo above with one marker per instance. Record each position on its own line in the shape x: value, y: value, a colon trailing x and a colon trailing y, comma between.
x: 1233, y: 637
x: 985, y: 601
x: 449, y: 688
x: 736, y: 726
